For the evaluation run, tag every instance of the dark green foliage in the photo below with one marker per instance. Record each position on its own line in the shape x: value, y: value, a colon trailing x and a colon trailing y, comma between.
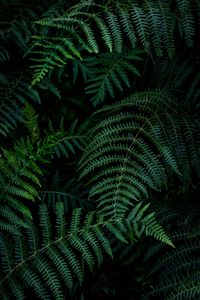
x: 53, y: 256
x: 14, y: 92
x: 128, y: 154
x: 19, y: 181
x: 64, y: 142
x: 100, y: 149
x: 176, y: 271
x: 150, y: 23
x: 109, y: 72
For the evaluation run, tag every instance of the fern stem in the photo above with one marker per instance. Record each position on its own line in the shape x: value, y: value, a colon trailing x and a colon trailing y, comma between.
x: 36, y: 253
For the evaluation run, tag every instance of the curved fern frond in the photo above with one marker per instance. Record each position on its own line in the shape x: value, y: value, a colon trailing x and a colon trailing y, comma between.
x: 134, y: 147
x: 148, y: 23
x: 49, y: 261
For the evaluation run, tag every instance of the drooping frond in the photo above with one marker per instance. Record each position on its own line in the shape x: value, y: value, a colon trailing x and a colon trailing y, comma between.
x: 148, y: 23
x: 48, y: 261
x: 134, y: 148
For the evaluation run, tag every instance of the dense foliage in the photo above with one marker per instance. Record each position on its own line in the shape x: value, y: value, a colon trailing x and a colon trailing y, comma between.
x: 100, y: 149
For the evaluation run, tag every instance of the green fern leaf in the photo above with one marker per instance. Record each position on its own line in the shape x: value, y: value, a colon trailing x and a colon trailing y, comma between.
x: 137, y: 150
x: 46, y: 262
x: 109, y: 72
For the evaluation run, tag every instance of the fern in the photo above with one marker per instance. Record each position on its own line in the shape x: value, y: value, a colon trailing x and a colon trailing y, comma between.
x: 31, y: 122
x: 151, y: 23
x: 20, y: 179
x: 91, y: 183
x: 153, y: 18
x: 176, y: 270
x: 109, y: 71
x: 21, y: 175
x: 186, y: 25
x: 53, y: 259
x: 167, y: 28
x: 130, y: 153
x: 14, y: 93
x: 63, y: 142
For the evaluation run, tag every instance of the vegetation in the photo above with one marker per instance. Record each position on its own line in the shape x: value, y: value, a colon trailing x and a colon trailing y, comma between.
x: 100, y: 149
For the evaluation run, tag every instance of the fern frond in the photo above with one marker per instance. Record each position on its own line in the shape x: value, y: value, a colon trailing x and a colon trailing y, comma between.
x: 151, y: 24
x: 63, y: 142
x: 110, y: 72
x: 130, y: 153
x: 153, y: 18
x: 186, y: 21
x: 20, y: 180
x: 128, y: 27
x: 167, y: 28
x: 49, y: 261
x: 176, y: 271
x: 115, y: 29
x: 14, y: 93
x: 139, y: 19
x: 31, y: 122
x: 105, y: 32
